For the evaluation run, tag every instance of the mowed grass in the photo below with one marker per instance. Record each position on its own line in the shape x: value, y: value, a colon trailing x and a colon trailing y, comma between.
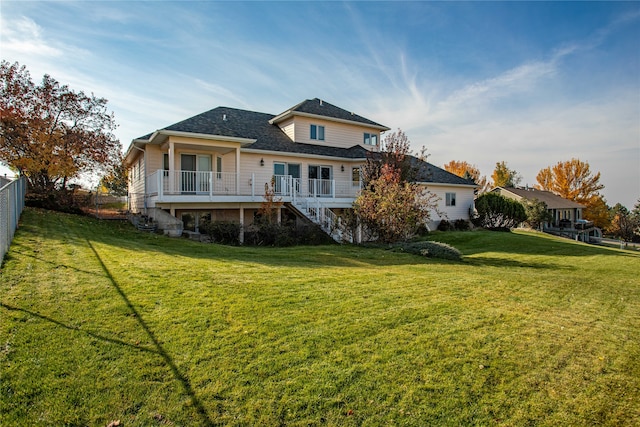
x: 99, y: 322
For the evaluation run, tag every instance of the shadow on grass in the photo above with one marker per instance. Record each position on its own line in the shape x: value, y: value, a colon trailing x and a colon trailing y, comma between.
x: 15, y: 251
x: 523, y: 243
x: 479, y: 261
x: 184, y: 381
x: 77, y: 329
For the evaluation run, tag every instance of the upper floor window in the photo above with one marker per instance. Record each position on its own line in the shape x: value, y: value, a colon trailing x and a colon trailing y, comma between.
x: 451, y: 199
x: 370, y: 139
x: 317, y: 132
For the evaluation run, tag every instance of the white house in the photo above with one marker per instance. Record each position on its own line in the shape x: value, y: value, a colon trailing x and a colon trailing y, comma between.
x: 215, y: 165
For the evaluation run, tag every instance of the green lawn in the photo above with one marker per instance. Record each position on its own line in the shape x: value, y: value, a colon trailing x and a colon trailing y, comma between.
x: 99, y: 322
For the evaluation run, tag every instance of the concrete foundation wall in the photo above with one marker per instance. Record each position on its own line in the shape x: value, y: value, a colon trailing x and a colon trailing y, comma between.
x: 169, y: 224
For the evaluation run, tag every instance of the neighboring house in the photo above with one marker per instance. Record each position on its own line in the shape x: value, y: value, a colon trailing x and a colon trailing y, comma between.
x: 566, y: 214
x: 215, y: 166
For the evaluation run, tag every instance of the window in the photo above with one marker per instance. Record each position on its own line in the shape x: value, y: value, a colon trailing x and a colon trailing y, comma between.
x: 355, y: 176
x: 451, y: 199
x: 293, y: 169
x: 219, y: 167
x: 317, y: 132
x: 370, y: 139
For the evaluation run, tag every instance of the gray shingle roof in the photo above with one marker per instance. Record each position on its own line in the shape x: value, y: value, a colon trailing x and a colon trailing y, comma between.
x: 431, y: 173
x: 552, y: 200
x: 233, y: 122
x: 425, y: 172
x: 322, y: 108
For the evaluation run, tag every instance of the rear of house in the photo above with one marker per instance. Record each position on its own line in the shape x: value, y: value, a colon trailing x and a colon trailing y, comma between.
x: 216, y: 166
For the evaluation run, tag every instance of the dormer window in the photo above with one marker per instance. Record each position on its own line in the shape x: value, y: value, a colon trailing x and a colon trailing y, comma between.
x: 370, y: 139
x: 317, y: 132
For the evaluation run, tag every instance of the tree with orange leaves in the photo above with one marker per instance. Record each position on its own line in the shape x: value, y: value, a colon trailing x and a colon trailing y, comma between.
x: 466, y: 170
x: 573, y: 180
x: 50, y: 133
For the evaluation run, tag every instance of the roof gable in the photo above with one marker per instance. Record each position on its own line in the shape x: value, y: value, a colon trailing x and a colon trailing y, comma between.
x: 320, y: 108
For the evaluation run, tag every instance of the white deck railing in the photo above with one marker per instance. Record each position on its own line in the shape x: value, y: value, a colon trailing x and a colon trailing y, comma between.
x: 286, y: 185
x: 191, y: 182
x: 164, y: 183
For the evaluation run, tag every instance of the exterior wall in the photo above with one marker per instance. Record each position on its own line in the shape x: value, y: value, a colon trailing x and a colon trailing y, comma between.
x: 154, y: 158
x: 288, y: 127
x: 335, y: 134
x: 137, y: 174
x: 464, y: 203
x: 183, y: 145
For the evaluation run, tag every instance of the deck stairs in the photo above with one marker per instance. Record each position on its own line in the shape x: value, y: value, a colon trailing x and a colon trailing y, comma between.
x: 314, y: 210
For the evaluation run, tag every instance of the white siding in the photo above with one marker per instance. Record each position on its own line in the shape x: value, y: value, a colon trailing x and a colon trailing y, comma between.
x: 288, y: 127
x: 137, y: 175
x: 154, y: 158
x: 335, y: 134
x: 464, y: 203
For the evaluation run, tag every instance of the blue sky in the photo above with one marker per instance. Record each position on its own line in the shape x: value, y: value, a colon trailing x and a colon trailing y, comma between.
x: 531, y: 84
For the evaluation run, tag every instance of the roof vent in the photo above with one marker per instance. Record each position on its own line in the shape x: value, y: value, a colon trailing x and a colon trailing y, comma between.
x: 321, y: 102
x: 224, y: 117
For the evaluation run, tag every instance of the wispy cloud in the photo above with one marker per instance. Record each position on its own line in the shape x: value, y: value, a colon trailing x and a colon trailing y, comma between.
x: 476, y: 95
x: 25, y: 36
x: 477, y: 122
x: 220, y: 92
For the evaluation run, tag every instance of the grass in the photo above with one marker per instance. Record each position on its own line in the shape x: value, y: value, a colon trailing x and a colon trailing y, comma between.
x: 99, y: 322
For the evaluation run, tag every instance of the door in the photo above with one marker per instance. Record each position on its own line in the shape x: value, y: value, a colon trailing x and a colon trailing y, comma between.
x: 294, y: 170
x: 188, y: 173
x: 281, y: 174
x: 203, y: 175
x: 195, y: 176
x: 320, y: 180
